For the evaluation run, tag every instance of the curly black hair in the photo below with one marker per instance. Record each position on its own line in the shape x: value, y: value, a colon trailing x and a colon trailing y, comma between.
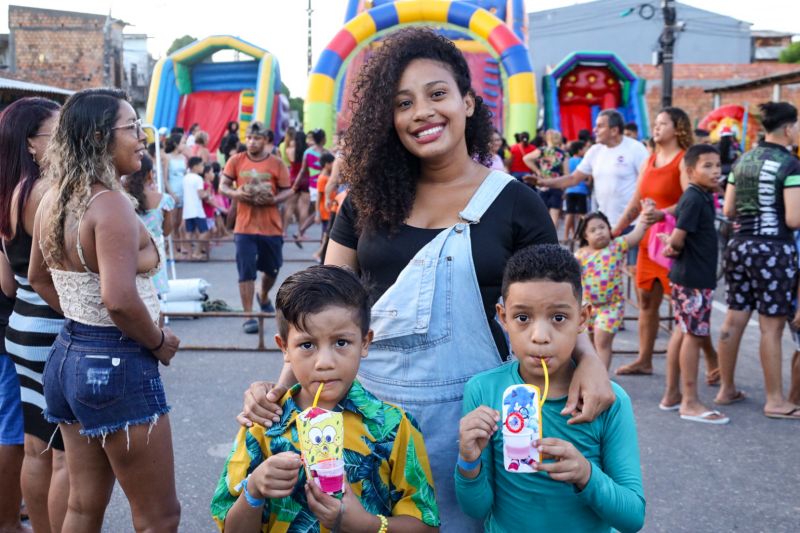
x: 543, y: 262
x: 382, y: 174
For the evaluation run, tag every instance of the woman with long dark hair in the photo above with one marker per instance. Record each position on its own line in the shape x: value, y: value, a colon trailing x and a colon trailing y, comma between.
x: 94, y: 261
x: 432, y: 228
x: 26, y: 127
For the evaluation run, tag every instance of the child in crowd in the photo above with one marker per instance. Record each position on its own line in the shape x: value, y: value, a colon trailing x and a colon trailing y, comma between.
x: 595, y: 483
x: 209, y: 204
x: 602, y: 261
x: 576, y: 197
x: 194, y: 217
x: 323, y: 332
x: 153, y: 208
x: 326, y: 161
x: 693, y: 245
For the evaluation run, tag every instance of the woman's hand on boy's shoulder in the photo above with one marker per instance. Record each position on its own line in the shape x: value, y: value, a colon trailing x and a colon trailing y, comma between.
x: 475, y: 431
x: 276, y: 477
x: 570, y: 465
x: 261, y: 404
x: 590, y: 391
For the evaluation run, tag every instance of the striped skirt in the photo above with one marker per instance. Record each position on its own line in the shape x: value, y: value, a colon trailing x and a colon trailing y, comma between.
x: 32, y: 329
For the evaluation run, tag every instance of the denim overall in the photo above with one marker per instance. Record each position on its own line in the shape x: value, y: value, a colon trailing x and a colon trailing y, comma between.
x: 431, y: 336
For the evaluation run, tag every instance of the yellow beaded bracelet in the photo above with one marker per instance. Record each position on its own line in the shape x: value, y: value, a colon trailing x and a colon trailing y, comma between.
x: 384, y: 524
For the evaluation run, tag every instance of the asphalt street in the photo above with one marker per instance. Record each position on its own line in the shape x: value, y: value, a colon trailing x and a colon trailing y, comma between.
x: 698, y: 478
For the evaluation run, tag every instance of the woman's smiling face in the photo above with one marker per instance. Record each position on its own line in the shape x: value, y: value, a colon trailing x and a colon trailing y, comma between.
x: 430, y: 113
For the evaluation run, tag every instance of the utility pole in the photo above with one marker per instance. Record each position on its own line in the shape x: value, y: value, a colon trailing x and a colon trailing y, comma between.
x: 667, y: 42
x: 309, y: 38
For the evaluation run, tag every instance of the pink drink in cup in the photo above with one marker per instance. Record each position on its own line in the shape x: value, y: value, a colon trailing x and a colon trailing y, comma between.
x: 329, y: 475
x: 518, y: 445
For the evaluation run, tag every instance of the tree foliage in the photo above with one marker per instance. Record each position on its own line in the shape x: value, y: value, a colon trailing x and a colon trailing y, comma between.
x: 180, y: 42
x: 791, y: 54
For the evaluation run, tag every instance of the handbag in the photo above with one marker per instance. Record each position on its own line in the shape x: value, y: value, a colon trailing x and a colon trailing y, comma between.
x: 655, y: 248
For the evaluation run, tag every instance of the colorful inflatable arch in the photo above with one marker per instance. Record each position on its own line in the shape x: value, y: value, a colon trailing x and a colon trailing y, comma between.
x: 504, y: 77
x: 186, y: 89
x: 584, y: 84
x: 737, y: 119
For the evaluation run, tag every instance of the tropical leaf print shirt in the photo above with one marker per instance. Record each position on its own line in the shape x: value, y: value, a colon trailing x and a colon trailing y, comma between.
x: 385, y: 463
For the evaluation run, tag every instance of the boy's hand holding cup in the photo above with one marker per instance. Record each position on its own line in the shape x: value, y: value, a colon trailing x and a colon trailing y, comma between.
x: 569, y: 466
x: 475, y: 431
x: 276, y: 477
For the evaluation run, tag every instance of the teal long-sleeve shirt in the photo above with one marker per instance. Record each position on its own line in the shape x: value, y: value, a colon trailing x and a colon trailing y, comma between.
x: 613, y: 498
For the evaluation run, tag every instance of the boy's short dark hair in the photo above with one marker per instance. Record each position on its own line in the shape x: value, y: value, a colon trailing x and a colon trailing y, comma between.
x: 194, y: 160
x: 326, y: 158
x: 316, y: 288
x: 575, y: 147
x: 632, y: 126
x: 694, y: 152
x: 777, y: 114
x: 543, y: 262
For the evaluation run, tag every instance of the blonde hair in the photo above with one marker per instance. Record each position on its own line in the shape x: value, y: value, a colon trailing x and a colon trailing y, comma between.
x: 78, y: 156
x: 201, y: 138
x: 553, y: 138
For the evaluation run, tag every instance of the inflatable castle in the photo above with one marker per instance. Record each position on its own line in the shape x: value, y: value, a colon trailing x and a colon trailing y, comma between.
x: 186, y: 88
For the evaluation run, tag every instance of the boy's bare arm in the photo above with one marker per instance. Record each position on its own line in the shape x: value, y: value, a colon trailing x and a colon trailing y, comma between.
x: 677, y: 240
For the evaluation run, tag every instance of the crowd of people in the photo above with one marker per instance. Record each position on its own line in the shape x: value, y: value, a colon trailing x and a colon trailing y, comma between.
x: 469, y: 293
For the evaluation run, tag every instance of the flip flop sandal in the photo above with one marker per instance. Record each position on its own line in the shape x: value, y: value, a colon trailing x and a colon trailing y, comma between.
x: 738, y: 397
x: 673, y: 407
x: 705, y: 418
x: 794, y: 414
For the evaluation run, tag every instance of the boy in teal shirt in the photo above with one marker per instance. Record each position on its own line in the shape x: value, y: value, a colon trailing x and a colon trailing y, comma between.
x: 595, y: 482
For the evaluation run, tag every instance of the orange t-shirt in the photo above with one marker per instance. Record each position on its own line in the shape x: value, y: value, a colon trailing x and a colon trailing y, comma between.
x: 322, y: 181
x: 258, y: 219
x: 663, y: 186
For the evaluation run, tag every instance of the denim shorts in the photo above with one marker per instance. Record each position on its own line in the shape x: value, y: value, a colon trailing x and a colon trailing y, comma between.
x: 104, y: 381
x: 258, y: 253
x: 199, y: 224
x: 12, y: 428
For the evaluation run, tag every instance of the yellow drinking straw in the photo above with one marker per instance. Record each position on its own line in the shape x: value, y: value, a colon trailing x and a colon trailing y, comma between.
x: 319, y: 389
x: 546, y: 383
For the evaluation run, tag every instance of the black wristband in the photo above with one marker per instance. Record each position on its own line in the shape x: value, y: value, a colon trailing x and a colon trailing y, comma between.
x: 160, y: 344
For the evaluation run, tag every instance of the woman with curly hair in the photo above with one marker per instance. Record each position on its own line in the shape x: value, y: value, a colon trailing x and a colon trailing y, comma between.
x: 662, y: 179
x: 26, y: 127
x: 431, y: 227
x: 94, y: 262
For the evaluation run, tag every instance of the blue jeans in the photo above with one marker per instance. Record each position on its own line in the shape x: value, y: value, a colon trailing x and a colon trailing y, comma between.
x: 104, y: 381
x: 12, y: 432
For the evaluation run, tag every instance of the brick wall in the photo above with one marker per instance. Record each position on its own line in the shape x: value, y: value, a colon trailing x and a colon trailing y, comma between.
x: 60, y: 48
x: 691, y: 80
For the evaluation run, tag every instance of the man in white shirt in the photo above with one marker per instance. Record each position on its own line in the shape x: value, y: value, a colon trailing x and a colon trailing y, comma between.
x: 613, y: 163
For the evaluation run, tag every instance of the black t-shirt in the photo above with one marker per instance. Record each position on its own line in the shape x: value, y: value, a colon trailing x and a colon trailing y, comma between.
x: 516, y: 219
x: 760, y: 177
x: 696, y: 266
x: 6, y: 306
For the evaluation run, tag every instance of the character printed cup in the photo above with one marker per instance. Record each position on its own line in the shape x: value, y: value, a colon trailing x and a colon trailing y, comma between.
x: 518, y: 445
x: 329, y: 475
x: 321, y: 435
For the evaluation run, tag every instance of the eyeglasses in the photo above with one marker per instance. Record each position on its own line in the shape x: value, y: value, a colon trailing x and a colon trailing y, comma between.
x: 135, y: 125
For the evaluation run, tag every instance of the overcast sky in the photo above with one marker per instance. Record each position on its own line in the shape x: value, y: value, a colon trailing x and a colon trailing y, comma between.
x: 280, y: 25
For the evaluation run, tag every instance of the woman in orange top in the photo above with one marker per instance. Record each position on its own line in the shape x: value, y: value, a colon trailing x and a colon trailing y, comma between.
x: 661, y: 180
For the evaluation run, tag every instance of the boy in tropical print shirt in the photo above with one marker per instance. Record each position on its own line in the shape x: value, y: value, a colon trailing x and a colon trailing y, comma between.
x: 323, y: 332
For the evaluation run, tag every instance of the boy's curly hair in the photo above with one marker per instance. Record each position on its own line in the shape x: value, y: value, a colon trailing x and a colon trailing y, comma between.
x: 382, y: 174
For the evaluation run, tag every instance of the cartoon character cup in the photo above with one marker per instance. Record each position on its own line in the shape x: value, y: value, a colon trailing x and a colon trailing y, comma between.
x: 321, y: 435
x: 521, y: 426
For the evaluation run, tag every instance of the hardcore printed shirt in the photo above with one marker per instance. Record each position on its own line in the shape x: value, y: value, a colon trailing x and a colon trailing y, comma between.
x: 760, y: 177
x: 385, y: 463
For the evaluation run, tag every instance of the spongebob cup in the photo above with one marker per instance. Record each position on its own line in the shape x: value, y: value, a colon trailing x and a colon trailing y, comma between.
x: 321, y: 435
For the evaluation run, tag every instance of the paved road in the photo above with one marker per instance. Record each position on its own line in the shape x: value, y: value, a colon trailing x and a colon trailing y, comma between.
x: 697, y: 478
